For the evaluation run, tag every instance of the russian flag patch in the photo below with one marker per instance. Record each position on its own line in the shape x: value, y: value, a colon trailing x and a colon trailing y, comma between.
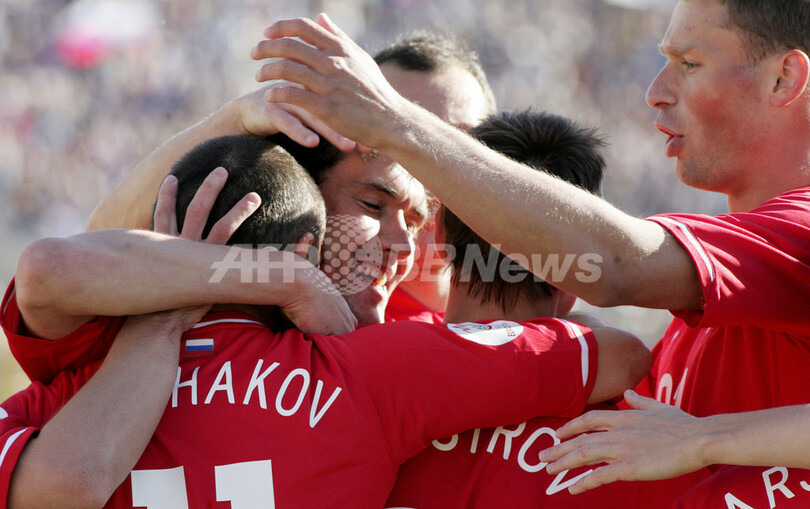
x: 198, y: 347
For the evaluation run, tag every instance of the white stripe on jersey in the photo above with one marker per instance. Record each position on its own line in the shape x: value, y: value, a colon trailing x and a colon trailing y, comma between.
x: 226, y: 320
x: 704, y: 256
x: 576, y: 331
x: 11, y: 296
x: 9, y: 442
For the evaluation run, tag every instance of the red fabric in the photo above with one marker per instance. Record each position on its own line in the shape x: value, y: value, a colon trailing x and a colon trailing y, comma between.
x: 736, y: 487
x: 42, y: 359
x: 748, y: 348
x: 327, y: 420
x: 402, y: 306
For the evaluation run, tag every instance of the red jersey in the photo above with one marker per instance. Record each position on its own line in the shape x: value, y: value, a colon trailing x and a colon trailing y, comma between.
x: 403, y: 306
x: 42, y: 359
x: 314, y: 421
x: 499, y: 467
x: 748, y: 347
x: 736, y: 487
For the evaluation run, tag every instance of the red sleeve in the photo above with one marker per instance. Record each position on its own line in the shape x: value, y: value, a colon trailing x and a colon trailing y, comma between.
x: 42, y: 359
x: 25, y: 413
x: 754, y: 267
x: 430, y: 381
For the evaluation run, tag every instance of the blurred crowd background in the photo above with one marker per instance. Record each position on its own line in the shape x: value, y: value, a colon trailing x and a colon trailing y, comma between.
x: 90, y: 87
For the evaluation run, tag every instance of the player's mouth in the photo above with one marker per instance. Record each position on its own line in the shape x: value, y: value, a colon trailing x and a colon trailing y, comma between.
x: 675, y: 141
x: 376, y: 275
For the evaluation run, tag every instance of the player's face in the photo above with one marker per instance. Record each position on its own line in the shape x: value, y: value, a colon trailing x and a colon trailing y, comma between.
x: 374, y: 209
x: 710, y: 99
x: 453, y: 95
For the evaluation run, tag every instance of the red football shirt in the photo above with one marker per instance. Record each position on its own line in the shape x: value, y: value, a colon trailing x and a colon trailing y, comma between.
x: 316, y: 421
x: 736, y: 487
x: 748, y: 347
x: 499, y: 467
x: 403, y: 306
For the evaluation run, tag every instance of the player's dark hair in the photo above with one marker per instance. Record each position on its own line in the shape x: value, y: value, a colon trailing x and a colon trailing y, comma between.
x: 291, y: 204
x: 770, y: 26
x: 546, y: 142
x: 316, y: 160
x: 428, y: 51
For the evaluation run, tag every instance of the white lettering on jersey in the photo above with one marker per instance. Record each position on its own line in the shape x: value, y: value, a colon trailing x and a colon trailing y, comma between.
x: 496, y: 333
x: 224, y: 382
x: 508, y: 435
x: 733, y: 502
x: 8, y: 444
x: 304, y: 374
x: 525, y: 448
x: 664, y: 390
x: 771, y: 488
x: 555, y: 485
x: 257, y: 383
x: 164, y: 488
x: 315, y: 414
x: 3, y: 414
x: 192, y: 384
x: 474, y: 444
x: 449, y: 446
x: 224, y: 372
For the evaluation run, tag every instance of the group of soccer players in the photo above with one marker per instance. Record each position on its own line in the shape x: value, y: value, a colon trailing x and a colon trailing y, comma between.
x: 260, y: 412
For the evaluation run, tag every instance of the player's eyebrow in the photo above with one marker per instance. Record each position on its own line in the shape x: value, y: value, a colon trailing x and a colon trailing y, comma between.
x: 674, y: 50
x: 397, y: 195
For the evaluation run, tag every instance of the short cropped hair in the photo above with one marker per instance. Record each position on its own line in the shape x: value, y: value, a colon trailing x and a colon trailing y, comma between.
x: 315, y: 160
x: 428, y: 51
x: 770, y: 26
x: 546, y: 142
x: 291, y: 204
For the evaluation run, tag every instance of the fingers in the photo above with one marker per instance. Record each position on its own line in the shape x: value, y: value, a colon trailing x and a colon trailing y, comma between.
x: 309, y: 77
x: 595, y: 420
x: 230, y: 222
x: 306, y: 30
x: 341, y: 142
x: 640, y: 402
x: 600, y: 476
x: 200, y: 207
x: 583, y: 450
x: 296, y: 96
x: 164, y: 219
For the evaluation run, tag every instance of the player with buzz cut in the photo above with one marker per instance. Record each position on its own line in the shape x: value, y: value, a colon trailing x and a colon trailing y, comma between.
x: 262, y: 416
x: 499, y: 467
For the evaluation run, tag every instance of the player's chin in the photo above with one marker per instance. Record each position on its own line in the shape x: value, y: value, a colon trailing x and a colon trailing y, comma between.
x: 369, y: 305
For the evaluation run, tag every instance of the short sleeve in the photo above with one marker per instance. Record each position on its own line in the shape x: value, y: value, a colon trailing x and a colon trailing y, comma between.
x: 42, y: 359
x: 429, y: 381
x: 754, y: 267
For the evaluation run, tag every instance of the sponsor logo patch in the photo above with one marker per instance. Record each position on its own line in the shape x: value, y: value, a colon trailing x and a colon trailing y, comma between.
x: 496, y: 333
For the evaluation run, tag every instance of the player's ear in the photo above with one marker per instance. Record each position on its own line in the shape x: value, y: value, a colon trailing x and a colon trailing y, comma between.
x: 306, y: 248
x: 793, y: 69
x: 438, y: 229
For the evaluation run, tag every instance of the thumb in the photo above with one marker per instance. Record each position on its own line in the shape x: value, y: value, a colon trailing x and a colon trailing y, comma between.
x: 640, y: 402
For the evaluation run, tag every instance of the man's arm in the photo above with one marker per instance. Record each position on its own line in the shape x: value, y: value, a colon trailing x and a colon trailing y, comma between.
x: 639, y: 262
x: 658, y: 441
x: 59, y: 288
x: 89, y: 447
x: 130, y: 204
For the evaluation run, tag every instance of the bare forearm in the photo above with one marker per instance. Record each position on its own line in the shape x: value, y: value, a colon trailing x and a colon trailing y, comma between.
x: 763, y: 438
x: 90, y: 446
x: 544, y: 218
x: 62, y: 283
x: 130, y: 204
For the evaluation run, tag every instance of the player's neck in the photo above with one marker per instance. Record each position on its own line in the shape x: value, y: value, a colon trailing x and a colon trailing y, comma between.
x: 270, y: 316
x: 431, y: 294
x: 461, y: 307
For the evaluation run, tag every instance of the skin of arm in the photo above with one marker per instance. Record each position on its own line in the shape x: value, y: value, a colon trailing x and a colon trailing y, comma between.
x: 623, y: 361
x: 657, y: 441
x: 89, y: 447
x: 58, y: 288
x: 130, y: 204
x: 355, y: 99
